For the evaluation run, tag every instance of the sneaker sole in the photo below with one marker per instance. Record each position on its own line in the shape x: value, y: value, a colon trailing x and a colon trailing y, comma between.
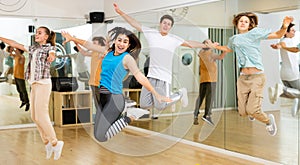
x: 208, y: 122
x: 272, y: 119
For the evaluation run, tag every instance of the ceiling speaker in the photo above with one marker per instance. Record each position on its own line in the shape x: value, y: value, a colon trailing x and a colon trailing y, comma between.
x: 96, y: 17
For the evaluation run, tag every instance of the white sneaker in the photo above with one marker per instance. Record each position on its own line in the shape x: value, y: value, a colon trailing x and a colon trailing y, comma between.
x: 136, y: 113
x: 58, y: 149
x: 271, y: 92
x: 184, y: 99
x: 278, y: 91
x: 271, y: 127
x: 49, y: 150
x: 295, y: 107
x: 130, y: 103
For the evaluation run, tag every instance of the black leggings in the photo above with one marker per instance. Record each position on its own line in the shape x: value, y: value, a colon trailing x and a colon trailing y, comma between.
x: 108, y: 120
x: 207, y: 90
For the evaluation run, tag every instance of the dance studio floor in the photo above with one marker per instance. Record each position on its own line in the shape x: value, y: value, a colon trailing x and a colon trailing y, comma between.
x: 231, y: 132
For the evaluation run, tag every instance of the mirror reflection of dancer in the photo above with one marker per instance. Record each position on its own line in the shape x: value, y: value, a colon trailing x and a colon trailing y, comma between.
x: 289, y: 71
x: 162, y: 47
x: 96, y: 62
x: 120, y: 59
x: 19, y: 63
x: 208, y: 79
x: 3, y: 55
x: 251, y: 82
x: 38, y: 75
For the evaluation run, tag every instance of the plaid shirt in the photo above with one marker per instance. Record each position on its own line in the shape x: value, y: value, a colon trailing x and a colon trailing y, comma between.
x: 42, y: 69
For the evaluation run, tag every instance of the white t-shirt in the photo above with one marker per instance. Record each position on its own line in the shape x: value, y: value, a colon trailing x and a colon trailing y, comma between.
x: 289, y: 68
x: 162, y: 50
x: 3, y: 54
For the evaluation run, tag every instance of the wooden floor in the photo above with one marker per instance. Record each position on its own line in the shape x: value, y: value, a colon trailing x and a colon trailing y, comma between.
x: 23, y: 146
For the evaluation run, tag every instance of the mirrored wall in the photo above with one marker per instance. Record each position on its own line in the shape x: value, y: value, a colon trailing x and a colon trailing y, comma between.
x: 198, y: 23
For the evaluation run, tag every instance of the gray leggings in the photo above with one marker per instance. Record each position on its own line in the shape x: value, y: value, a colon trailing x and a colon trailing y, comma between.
x: 291, y: 89
x: 147, y: 100
x: 108, y: 120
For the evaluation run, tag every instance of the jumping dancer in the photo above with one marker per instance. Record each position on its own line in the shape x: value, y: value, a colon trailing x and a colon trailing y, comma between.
x: 120, y: 59
x: 38, y: 75
x: 251, y: 82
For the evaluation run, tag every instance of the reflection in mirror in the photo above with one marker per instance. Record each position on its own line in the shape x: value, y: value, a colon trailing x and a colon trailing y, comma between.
x: 21, y: 30
x: 187, y: 59
x: 231, y: 132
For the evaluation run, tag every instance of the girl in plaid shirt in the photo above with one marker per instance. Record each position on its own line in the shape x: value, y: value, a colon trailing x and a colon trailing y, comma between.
x: 38, y: 75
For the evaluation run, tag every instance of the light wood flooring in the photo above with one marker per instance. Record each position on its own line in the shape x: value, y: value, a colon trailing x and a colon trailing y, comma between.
x: 233, y: 133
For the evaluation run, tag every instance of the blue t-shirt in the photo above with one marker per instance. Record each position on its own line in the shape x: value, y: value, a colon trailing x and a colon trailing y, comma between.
x: 298, y: 46
x: 247, y: 47
x: 113, y: 72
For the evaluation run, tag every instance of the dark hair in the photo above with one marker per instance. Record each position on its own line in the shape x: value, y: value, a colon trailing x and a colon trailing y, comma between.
x: 204, y: 42
x: 252, y: 17
x: 167, y: 17
x: 21, y: 51
x: 101, y: 40
x: 135, y: 44
x: 289, y: 27
x: 75, y: 48
x: 51, y: 34
x: 2, y: 45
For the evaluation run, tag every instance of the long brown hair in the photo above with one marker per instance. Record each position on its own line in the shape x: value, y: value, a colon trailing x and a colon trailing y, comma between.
x: 252, y: 17
x: 135, y: 44
x: 52, y: 36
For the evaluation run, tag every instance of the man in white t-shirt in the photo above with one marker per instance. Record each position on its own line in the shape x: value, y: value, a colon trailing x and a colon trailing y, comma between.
x: 289, y: 72
x: 162, y: 47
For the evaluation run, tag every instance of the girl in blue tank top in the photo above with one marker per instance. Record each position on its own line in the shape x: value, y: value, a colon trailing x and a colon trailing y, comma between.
x: 120, y: 59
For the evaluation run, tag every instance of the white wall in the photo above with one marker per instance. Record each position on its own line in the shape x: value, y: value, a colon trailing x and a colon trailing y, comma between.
x: 267, y: 5
x: 55, y: 8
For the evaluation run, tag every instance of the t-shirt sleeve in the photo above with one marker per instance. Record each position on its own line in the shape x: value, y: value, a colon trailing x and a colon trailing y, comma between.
x: 148, y: 32
x: 229, y: 44
x: 260, y: 33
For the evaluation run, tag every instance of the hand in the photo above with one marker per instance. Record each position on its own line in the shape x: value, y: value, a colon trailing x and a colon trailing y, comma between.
x: 117, y: 9
x: 276, y: 46
x: 67, y: 36
x: 161, y: 98
x: 50, y: 58
x: 287, y: 20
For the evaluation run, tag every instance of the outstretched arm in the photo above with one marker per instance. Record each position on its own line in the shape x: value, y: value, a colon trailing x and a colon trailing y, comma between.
x: 13, y: 43
x: 134, y: 23
x: 83, y: 52
x: 280, y: 33
x: 291, y: 49
x: 219, y: 57
x: 194, y: 44
x: 129, y: 63
x: 84, y: 43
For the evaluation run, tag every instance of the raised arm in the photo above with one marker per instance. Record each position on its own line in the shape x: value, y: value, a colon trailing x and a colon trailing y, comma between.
x: 84, y: 43
x: 13, y: 43
x: 83, y: 52
x: 280, y: 33
x: 134, y: 23
x: 219, y: 57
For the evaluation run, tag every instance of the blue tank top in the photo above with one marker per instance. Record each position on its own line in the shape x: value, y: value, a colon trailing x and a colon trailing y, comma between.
x: 113, y: 72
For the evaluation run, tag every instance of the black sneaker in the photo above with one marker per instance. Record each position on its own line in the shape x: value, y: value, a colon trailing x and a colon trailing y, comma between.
x: 27, y: 107
x: 22, y: 105
x: 196, y: 121
x: 208, y: 120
